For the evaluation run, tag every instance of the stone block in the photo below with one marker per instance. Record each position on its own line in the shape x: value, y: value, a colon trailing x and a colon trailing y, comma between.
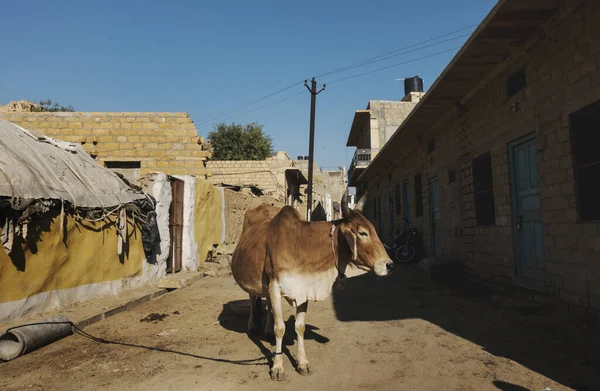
x: 226, y: 249
x: 211, y: 269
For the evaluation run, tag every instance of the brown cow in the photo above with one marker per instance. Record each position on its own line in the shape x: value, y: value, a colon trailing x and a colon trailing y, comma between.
x: 281, y: 255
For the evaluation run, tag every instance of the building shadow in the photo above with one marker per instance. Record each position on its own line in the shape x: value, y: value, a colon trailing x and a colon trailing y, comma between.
x: 538, y: 340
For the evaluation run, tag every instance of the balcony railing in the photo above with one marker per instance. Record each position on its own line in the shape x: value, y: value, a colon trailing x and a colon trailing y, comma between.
x: 361, y: 159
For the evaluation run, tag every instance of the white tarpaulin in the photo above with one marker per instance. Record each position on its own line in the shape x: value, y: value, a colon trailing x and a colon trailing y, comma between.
x: 33, y: 166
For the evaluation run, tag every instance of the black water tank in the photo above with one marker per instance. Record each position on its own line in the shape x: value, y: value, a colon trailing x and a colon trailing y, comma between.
x: 413, y: 84
x: 300, y: 157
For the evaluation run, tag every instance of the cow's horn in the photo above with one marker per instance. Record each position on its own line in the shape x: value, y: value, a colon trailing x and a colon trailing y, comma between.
x: 361, y: 203
x: 345, y: 209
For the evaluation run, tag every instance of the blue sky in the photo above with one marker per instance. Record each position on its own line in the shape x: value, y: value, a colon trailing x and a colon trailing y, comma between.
x: 206, y: 57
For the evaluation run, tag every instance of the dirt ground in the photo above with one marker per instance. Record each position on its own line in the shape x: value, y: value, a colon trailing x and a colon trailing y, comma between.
x: 399, y: 333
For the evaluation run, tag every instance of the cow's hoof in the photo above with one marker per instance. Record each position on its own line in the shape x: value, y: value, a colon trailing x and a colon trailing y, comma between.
x: 304, y: 369
x: 277, y: 374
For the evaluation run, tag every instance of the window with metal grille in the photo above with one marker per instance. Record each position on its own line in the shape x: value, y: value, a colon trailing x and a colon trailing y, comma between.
x: 418, y: 195
x: 516, y: 82
x: 585, y: 135
x: 398, y: 200
x: 483, y: 190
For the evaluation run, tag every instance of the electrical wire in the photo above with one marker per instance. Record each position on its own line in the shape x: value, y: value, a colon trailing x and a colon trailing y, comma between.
x: 78, y: 330
x: 397, y: 52
x: 333, y: 82
x: 393, y: 65
x: 240, y: 107
x: 381, y: 57
x: 246, y: 112
x: 227, y: 114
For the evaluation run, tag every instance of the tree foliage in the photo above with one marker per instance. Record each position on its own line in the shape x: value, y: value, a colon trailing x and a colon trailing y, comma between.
x: 240, y: 142
x: 50, y: 106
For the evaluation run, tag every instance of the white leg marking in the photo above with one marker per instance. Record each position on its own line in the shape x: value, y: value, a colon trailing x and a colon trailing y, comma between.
x: 275, y: 297
x: 303, y: 367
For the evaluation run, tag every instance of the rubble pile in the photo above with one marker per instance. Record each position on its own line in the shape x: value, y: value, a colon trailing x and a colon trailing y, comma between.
x: 236, y: 205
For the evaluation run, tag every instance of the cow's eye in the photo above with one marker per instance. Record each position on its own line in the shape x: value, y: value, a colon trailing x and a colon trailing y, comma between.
x: 363, y: 234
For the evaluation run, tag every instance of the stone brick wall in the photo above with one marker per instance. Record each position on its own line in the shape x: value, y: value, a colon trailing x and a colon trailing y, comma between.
x: 164, y: 142
x: 334, y: 182
x: 268, y: 175
x: 563, y: 75
x: 389, y: 115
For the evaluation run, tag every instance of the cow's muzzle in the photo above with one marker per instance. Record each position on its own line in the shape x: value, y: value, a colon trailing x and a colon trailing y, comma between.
x: 384, y: 268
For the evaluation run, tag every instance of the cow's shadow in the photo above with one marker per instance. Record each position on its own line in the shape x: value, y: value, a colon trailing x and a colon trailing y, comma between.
x: 239, y: 324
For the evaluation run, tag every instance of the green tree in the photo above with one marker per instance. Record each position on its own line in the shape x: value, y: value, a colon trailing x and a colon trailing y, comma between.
x: 240, y: 142
x: 49, y: 106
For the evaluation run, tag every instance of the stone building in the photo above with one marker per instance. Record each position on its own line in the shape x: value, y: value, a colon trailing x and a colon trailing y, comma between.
x: 371, y: 128
x: 497, y: 164
x: 283, y: 178
x: 269, y: 175
x: 133, y: 144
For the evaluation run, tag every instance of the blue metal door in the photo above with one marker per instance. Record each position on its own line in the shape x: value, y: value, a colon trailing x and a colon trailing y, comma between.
x: 529, y: 235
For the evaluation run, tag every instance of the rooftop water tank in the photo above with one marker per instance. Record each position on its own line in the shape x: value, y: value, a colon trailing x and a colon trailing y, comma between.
x: 413, y: 84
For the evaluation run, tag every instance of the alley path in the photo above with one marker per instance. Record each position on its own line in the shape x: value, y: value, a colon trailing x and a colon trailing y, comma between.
x: 396, y: 334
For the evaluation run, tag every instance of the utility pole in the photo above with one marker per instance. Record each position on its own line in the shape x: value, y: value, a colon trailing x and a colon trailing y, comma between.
x: 311, y: 143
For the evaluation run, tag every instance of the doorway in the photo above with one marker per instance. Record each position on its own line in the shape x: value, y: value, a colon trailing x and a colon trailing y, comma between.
x: 174, y: 263
x: 527, y: 213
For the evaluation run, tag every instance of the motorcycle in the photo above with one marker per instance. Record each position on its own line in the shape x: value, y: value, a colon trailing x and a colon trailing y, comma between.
x: 403, y: 246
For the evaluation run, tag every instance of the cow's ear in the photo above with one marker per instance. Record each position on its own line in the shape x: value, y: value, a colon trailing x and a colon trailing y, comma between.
x: 351, y: 240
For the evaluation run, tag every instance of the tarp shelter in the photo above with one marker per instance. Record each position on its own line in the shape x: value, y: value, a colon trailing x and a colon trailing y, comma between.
x: 33, y: 166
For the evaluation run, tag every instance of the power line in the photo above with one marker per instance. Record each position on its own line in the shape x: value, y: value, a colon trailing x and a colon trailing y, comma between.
x: 267, y: 105
x: 385, y: 56
x: 300, y: 93
x: 381, y: 57
x: 404, y: 52
x: 240, y: 107
x: 393, y: 65
x: 249, y: 111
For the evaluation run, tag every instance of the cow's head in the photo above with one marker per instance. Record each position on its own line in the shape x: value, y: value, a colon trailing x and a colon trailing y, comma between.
x: 367, y: 251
